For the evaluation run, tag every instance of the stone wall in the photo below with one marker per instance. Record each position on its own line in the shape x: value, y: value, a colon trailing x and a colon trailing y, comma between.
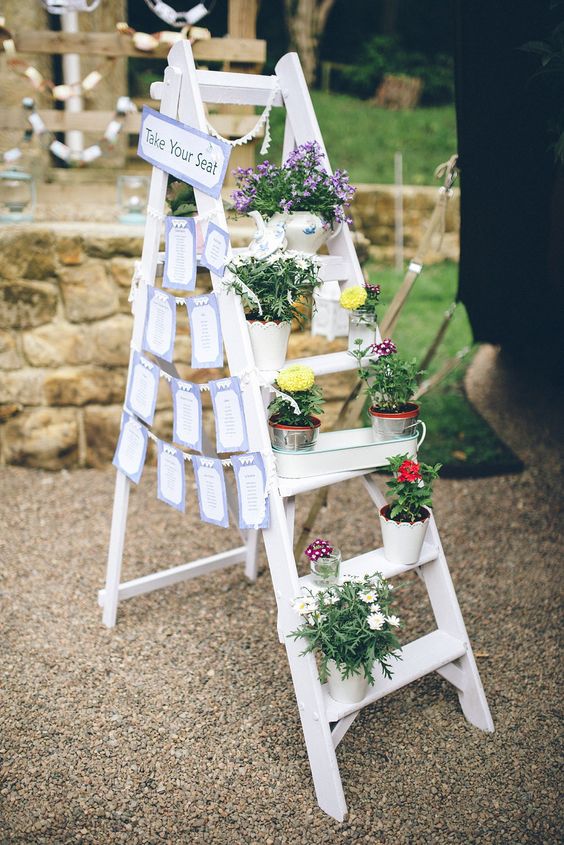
x: 65, y: 329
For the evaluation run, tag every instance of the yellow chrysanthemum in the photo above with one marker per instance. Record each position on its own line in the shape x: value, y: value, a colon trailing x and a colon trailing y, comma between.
x: 295, y: 378
x: 353, y: 298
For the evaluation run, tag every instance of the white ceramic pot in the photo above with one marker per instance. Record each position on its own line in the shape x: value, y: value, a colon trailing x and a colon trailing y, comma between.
x: 402, y: 541
x: 362, y: 326
x: 347, y: 690
x: 304, y: 231
x: 270, y: 343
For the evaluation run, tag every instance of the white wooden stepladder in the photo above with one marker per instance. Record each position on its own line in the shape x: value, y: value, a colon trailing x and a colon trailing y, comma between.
x: 445, y: 650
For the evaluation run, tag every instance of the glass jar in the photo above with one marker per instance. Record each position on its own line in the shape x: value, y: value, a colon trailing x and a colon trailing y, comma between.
x: 17, y: 196
x: 362, y: 326
x: 132, y: 196
x: 325, y: 570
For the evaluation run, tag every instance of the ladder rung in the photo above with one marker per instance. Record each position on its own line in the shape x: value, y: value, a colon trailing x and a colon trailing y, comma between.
x: 293, y: 486
x: 419, y: 658
x: 375, y: 561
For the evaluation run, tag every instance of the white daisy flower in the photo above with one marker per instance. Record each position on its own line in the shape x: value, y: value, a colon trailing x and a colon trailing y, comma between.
x: 394, y: 621
x: 375, y: 608
x: 376, y: 621
x: 303, y: 605
x: 368, y: 596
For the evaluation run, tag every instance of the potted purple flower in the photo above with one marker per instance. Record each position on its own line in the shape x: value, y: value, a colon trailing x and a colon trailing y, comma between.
x: 300, y: 196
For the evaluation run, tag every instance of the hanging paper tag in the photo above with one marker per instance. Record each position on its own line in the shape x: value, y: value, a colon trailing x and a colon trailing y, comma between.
x: 36, y: 122
x: 187, y: 409
x: 160, y: 323
x: 212, y: 496
x: 170, y: 476
x: 112, y: 131
x: 12, y: 155
x: 60, y: 150
x: 183, y: 151
x: 230, y: 426
x: 207, y: 344
x: 180, y: 253
x: 131, y: 449
x: 250, y: 475
x: 216, y: 249
x: 143, y: 387
x: 91, y: 153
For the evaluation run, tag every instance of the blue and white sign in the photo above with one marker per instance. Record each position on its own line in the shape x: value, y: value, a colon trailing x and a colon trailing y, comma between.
x: 250, y: 474
x: 230, y: 426
x: 187, y: 409
x: 212, y: 496
x: 216, y: 249
x: 131, y: 449
x: 171, y: 488
x: 180, y: 253
x: 160, y: 323
x: 205, y: 326
x: 143, y: 387
x: 183, y: 151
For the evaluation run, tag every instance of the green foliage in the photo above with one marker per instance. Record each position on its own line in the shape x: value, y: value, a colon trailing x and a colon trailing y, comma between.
x: 551, y: 75
x: 385, y: 55
x: 411, y: 487
x: 281, y: 283
x: 350, y: 624
x: 363, y: 139
x: 180, y: 198
x: 390, y: 381
x: 310, y: 403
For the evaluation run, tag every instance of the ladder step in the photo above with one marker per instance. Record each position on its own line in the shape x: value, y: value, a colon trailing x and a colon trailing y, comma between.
x: 332, y: 268
x: 292, y: 486
x: 419, y: 658
x: 374, y: 561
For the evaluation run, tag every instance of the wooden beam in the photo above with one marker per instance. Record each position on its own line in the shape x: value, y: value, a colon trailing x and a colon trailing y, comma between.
x: 228, y: 125
x: 114, y: 44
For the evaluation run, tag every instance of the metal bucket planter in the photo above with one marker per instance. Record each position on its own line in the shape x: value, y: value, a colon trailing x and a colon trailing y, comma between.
x: 403, y: 541
x: 269, y: 342
x: 362, y: 326
x: 389, y: 426
x: 347, y: 690
x: 293, y: 438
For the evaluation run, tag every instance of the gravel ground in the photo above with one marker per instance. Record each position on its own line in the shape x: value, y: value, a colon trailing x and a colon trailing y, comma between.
x: 180, y: 725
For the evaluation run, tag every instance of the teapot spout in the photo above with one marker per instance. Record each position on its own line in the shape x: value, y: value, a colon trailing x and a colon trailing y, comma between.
x: 259, y: 222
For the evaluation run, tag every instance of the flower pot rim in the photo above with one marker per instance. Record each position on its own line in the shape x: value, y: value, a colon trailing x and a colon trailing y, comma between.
x: 316, y: 422
x: 268, y: 322
x: 398, y: 415
x: 404, y: 521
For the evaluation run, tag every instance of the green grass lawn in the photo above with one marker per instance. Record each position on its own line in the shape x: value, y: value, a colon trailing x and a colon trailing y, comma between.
x: 363, y: 139
x: 457, y: 436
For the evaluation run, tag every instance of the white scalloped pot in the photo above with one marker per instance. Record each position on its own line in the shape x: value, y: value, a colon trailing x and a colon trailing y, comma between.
x: 346, y: 690
x: 270, y: 343
x: 403, y: 541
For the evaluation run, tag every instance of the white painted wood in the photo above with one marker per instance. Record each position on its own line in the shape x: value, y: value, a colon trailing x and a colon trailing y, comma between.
x: 341, y: 727
x: 446, y: 609
x: 419, y: 658
x: 115, y: 551
x: 176, y: 574
x: 375, y: 561
x: 446, y: 650
x: 251, y: 556
x: 300, y: 113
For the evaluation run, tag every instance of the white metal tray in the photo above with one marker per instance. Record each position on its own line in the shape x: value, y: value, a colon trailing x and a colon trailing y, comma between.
x: 339, y: 451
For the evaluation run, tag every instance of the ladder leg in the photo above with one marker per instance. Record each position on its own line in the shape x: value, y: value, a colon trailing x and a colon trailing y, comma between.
x: 115, y: 552
x: 251, y: 557
x: 448, y: 616
x: 317, y: 733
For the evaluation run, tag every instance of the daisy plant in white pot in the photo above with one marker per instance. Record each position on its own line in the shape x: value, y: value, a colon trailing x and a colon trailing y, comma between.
x: 351, y: 629
x: 273, y: 291
x: 405, y: 520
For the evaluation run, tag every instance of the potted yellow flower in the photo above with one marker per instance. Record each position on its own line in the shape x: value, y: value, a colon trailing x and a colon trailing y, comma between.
x: 292, y: 423
x: 361, y: 301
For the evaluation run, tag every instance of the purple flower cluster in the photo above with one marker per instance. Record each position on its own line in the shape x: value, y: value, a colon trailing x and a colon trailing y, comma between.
x: 319, y: 548
x: 372, y: 290
x: 300, y: 184
x: 387, y: 347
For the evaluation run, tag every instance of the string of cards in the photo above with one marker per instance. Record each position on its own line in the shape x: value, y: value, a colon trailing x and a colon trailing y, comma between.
x: 227, y: 400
